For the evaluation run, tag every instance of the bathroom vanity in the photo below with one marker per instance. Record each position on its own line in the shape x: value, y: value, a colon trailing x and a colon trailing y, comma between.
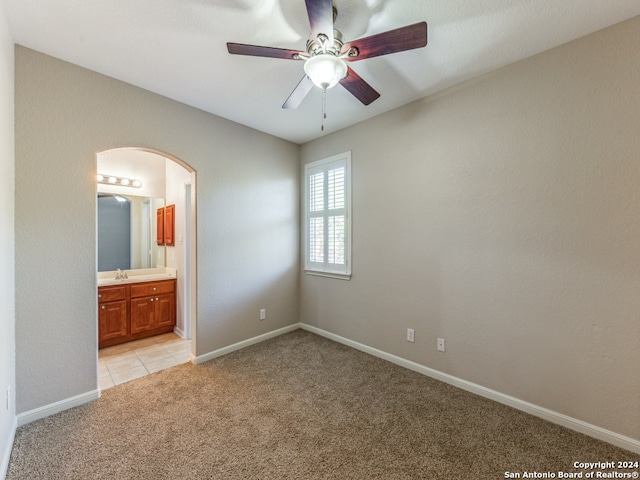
x: 135, y: 307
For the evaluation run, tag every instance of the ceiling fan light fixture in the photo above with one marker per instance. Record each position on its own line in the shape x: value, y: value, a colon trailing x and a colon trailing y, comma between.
x: 325, y: 70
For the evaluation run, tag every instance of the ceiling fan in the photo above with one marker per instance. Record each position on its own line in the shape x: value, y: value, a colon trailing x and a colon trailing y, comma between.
x: 326, y: 53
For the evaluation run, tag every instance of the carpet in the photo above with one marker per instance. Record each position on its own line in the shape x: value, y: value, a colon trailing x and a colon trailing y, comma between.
x: 298, y: 406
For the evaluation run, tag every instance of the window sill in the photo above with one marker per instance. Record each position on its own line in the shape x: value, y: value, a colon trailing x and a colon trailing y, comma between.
x: 340, y: 276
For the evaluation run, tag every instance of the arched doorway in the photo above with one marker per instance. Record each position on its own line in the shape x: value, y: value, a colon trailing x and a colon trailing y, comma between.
x: 162, y: 179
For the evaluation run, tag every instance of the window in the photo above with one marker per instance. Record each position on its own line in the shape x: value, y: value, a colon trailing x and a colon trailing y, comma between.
x: 327, y: 207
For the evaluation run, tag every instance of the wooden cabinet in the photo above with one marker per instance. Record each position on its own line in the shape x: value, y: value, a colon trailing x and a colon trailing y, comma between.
x: 134, y: 311
x: 153, y: 306
x: 169, y: 225
x: 112, y: 313
x: 160, y: 226
x: 166, y: 225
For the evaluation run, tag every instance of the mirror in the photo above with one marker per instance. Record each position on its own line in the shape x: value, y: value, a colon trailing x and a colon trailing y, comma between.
x: 127, y: 232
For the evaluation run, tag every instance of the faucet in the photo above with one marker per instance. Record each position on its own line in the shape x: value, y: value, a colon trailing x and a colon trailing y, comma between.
x: 121, y: 275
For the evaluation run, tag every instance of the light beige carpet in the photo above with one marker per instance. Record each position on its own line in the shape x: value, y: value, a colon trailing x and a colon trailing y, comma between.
x: 295, y: 407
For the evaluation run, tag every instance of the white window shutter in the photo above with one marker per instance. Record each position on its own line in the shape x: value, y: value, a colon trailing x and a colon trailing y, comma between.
x: 327, y: 219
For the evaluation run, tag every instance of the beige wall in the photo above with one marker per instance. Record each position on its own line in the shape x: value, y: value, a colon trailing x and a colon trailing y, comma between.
x: 247, y: 219
x: 504, y: 217
x: 7, y: 263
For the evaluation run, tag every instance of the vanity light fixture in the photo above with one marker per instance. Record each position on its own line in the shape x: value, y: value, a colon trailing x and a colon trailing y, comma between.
x: 120, y: 181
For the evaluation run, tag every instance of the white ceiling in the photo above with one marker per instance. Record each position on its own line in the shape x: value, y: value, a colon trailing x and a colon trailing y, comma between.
x: 177, y: 48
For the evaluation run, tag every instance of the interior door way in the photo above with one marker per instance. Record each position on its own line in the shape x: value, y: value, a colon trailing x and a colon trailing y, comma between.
x: 166, y: 177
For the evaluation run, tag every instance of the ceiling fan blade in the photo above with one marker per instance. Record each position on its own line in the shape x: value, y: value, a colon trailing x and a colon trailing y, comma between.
x: 321, y: 18
x: 299, y: 93
x: 392, y: 41
x: 358, y: 87
x: 258, y: 51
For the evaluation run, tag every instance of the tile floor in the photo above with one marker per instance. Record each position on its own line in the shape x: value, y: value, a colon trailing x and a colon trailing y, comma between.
x: 128, y: 361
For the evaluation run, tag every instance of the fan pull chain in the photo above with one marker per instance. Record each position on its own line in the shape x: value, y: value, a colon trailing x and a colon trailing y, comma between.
x: 324, y: 108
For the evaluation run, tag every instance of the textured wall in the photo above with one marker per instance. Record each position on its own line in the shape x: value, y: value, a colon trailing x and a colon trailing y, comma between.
x: 7, y: 263
x: 504, y: 216
x: 247, y: 219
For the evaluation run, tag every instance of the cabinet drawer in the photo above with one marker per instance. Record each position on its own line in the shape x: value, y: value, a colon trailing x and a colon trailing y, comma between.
x: 109, y: 294
x: 153, y: 288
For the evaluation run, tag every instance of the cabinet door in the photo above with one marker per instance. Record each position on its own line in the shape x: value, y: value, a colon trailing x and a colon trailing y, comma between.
x: 142, y: 314
x: 160, y: 226
x: 169, y: 225
x: 165, y: 310
x: 112, y: 320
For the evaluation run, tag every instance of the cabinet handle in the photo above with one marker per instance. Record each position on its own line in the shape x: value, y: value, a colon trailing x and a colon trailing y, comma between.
x: 99, y: 295
x: 156, y: 299
x: 103, y: 307
x: 154, y: 289
x: 152, y: 299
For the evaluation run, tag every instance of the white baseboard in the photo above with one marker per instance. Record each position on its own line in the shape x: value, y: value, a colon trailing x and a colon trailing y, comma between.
x: 594, y: 431
x: 245, y: 343
x: 180, y: 333
x: 52, y: 408
x: 6, y: 449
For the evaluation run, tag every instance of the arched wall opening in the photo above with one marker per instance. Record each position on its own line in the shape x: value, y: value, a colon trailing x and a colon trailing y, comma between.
x: 169, y: 180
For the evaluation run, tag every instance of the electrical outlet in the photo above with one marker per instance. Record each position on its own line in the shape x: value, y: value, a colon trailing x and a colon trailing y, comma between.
x: 411, y: 335
x: 263, y: 313
x: 441, y: 344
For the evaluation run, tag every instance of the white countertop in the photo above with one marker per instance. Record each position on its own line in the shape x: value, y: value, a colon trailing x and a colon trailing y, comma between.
x: 137, y: 276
